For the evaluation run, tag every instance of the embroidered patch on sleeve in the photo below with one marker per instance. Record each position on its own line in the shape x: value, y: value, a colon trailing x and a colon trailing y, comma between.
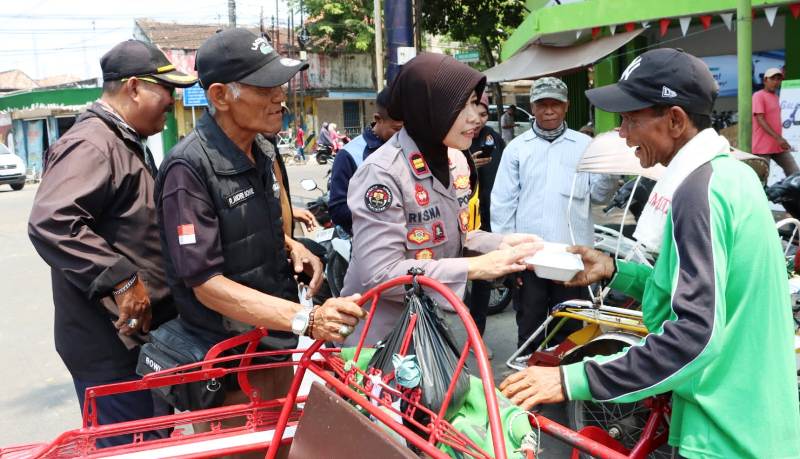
x: 424, y: 254
x: 421, y: 195
x: 438, y: 232
x: 378, y: 198
x: 186, y: 235
x: 462, y: 182
x: 418, y: 236
x: 463, y: 220
x: 418, y: 163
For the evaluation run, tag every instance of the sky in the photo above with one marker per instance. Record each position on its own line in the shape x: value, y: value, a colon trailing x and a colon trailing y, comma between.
x: 55, y: 37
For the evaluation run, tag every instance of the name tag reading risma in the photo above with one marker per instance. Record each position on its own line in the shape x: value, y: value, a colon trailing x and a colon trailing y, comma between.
x: 240, y: 196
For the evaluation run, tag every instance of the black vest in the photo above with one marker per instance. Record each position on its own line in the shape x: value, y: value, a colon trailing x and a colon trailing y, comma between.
x: 246, y: 200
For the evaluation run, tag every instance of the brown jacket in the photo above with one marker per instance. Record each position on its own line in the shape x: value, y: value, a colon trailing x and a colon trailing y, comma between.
x: 94, y: 222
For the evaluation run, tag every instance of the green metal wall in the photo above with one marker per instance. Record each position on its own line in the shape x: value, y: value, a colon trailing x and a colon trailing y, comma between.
x: 66, y: 96
x: 578, y: 113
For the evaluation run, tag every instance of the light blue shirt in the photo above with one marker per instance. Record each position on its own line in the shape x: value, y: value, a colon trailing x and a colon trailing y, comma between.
x: 532, y: 189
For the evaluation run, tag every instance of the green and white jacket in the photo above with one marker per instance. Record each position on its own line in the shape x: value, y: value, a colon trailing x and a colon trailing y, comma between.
x: 721, y: 331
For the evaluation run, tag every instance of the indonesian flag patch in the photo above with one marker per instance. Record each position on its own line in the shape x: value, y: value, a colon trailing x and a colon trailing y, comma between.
x: 186, y: 235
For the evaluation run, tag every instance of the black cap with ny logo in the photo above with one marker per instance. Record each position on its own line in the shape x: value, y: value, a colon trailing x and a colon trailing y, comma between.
x: 664, y: 76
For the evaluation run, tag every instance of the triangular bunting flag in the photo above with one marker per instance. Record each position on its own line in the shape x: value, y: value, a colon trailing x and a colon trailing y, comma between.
x: 578, y: 34
x: 629, y: 27
x: 595, y: 32
x: 727, y: 18
x: 664, y: 25
x: 706, y: 21
x: 613, y: 29
x: 770, y: 13
x: 685, y: 21
x: 645, y: 24
x: 795, y: 9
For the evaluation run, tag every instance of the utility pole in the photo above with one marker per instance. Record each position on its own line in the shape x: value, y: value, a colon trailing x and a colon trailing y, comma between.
x: 398, y: 33
x: 232, y: 13
x: 278, y: 28
x: 378, y: 45
x: 744, y: 55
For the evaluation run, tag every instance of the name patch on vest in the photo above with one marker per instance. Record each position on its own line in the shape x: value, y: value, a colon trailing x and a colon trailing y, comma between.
x: 426, y: 215
x: 240, y: 196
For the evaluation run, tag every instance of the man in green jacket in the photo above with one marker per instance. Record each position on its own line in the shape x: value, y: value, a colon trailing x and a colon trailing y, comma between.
x: 717, y: 300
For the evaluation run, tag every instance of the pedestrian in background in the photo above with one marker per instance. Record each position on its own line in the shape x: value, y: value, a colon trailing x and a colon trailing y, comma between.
x: 299, y: 141
x: 767, y: 129
x: 94, y: 222
x: 532, y: 193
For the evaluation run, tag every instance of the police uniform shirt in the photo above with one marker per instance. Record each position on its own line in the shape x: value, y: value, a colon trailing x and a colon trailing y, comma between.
x: 404, y: 218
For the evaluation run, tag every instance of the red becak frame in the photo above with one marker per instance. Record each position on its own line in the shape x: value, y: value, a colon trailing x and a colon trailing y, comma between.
x: 271, y: 423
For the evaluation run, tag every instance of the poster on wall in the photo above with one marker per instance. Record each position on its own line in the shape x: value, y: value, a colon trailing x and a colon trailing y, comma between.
x: 790, y: 114
x: 790, y: 127
x: 34, y: 134
x: 725, y: 69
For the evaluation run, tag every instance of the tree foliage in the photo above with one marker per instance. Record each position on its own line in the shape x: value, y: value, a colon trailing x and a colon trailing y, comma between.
x: 339, y: 26
x: 486, y: 21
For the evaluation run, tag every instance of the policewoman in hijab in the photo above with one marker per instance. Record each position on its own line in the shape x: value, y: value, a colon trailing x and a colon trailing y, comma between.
x: 410, y: 198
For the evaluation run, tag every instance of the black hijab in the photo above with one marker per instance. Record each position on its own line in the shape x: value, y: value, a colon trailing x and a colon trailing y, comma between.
x: 427, y: 95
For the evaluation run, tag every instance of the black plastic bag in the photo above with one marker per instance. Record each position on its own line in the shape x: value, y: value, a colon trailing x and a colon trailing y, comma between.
x: 436, y: 351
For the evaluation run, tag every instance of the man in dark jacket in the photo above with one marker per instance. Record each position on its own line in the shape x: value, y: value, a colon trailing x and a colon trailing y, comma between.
x: 382, y: 128
x: 94, y: 222
x: 486, y: 151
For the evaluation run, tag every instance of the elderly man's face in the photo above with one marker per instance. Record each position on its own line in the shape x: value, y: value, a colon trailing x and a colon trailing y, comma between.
x: 648, y: 131
x: 549, y: 113
x: 259, y: 109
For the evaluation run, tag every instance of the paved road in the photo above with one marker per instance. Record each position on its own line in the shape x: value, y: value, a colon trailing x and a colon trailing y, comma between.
x: 38, y: 401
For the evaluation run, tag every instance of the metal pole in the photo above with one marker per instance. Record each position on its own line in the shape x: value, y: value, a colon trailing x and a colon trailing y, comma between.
x: 378, y: 45
x: 744, y: 53
x: 194, y: 119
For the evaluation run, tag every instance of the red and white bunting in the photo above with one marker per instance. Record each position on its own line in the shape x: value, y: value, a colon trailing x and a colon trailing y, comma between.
x: 613, y: 29
x: 578, y: 34
x: 727, y: 18
x: 629, y: 27
x: 595, y: 32
x: 645, y: 24
x: 663, y: 25
x: 706, y: 21
x: 770, y: 13
x: 795, y: 9
x: 685, y: 21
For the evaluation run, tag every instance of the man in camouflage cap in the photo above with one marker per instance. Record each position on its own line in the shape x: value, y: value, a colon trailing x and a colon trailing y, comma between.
x: 531, y: 195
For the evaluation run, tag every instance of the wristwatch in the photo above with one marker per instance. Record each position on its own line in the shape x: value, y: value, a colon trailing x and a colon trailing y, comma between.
x: 300, y: 322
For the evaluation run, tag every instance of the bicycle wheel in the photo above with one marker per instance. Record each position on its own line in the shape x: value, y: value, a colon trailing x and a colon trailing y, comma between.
x: 624, y: 422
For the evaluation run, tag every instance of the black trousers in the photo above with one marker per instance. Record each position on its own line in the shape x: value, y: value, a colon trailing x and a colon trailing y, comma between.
x: 533, y: 301
x: 478, y: 303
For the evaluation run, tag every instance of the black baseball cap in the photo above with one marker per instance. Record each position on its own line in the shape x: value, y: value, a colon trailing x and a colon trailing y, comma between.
x: 663, y: 76
x: 238, y: 55
x: 135, y: 58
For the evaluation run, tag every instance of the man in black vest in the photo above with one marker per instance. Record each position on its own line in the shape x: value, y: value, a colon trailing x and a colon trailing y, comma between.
x: 220, y: 213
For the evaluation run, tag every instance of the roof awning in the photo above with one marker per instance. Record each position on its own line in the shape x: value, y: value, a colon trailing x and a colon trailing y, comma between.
x: 541, y: 60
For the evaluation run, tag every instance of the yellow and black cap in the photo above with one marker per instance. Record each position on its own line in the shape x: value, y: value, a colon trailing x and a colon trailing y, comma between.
x: 134, y: 58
